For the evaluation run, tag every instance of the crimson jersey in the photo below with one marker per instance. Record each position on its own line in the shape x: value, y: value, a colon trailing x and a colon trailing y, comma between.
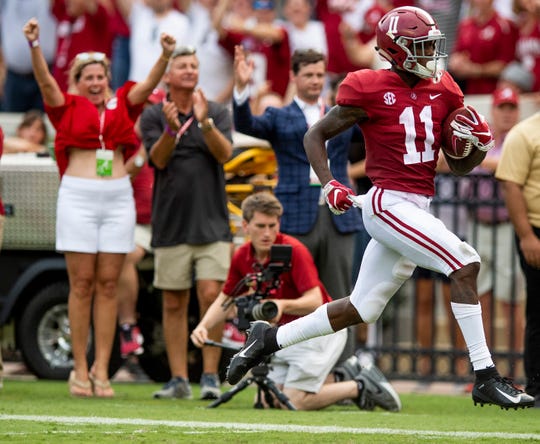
x: 486, y: 42
x: 87, y: 32
x: 528, y: 52
x: 277, y: 55
x: 302, y: 277
x: 404, y: 127
x: 338, y: 62
x: 371, y: 19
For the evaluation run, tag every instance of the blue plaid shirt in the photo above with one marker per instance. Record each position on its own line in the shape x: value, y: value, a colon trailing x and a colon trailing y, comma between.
x: 285, y: 128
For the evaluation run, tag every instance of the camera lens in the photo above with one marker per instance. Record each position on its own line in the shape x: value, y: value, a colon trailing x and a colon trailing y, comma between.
x: 264, y: 311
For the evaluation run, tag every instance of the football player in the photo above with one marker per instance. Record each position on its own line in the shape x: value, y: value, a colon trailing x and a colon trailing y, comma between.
x: 401, y: 111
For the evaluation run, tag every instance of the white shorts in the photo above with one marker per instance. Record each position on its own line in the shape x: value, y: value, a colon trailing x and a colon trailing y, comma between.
x: 95, y: 215
x: 404, y: 235
x: 305, y: 366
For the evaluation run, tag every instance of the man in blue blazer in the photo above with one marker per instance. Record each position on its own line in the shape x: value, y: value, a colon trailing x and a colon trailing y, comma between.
x: 306, y: 216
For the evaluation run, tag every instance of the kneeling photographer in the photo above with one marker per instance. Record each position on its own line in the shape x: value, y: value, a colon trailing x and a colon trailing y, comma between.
x: 301, y: 371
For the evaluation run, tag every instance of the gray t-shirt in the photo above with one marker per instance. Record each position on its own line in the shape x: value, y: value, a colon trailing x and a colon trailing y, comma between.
x: 189, y: 200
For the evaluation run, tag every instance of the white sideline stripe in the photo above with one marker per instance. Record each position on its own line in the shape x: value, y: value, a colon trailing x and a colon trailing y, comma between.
x: 263, y: 427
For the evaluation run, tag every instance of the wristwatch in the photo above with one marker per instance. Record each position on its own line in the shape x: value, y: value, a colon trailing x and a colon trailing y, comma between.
x: 206, y: 125
x: 138, y: 161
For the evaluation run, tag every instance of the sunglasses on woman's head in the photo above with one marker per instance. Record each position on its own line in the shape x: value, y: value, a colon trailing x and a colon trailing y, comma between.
x: 90, y: 57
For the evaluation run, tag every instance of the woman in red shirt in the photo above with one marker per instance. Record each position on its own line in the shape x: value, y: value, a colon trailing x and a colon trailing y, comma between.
x: 95, y: 210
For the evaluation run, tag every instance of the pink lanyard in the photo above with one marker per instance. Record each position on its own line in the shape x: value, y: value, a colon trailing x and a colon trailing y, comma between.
x: 101, y: 125
x: 183, y: 128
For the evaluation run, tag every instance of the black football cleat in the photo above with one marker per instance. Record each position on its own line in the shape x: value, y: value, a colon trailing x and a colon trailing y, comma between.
x: 250, y: 354
x: 500, y: 391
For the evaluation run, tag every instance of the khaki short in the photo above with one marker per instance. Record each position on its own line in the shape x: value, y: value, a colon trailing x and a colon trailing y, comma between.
x: 174, y: 266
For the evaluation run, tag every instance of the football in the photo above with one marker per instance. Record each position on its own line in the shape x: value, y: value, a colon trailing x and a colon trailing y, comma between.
x: 452, y: 145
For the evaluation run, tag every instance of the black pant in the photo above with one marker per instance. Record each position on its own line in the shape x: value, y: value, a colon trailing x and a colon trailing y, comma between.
x: 531, y: 357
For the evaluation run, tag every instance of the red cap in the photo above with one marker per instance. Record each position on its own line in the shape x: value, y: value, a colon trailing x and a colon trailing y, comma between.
x: 505, y: 95
x: 157, y: 96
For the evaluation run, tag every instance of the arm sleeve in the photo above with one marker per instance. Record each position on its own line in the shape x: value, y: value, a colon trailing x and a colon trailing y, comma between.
x: 350, y: 91
x: 55, y: 113
x: 134, y: 111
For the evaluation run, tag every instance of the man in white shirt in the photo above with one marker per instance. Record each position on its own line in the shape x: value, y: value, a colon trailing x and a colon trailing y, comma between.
x: 147, y: 19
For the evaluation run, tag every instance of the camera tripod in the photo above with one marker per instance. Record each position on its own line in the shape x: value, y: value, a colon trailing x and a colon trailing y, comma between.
x: 259, y: 376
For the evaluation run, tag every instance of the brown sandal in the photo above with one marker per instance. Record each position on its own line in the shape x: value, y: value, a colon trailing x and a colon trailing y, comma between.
x: 80, y: 389
x: 102, y: 389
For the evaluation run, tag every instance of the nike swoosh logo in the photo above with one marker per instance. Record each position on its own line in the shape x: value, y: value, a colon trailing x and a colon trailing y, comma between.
x: 336, y: 195
x: 242, y: 353
x: 514, y: 399
x: 433, y: 96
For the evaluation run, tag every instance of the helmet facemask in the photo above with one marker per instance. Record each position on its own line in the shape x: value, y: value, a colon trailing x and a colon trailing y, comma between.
x: 416, y: 49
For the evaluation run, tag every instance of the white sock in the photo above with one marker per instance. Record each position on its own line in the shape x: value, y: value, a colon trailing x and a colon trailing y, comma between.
x: 307, y: 327
x: 469, y: 318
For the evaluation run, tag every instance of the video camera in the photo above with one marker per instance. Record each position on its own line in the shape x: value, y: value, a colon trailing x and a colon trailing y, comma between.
x: 249, y: 307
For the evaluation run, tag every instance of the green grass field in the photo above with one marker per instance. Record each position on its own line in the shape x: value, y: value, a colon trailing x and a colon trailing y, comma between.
x: 43, y: 412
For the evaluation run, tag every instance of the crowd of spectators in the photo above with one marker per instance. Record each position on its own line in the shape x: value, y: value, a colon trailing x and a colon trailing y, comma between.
x: 489, y: 42
x: 483, y: 38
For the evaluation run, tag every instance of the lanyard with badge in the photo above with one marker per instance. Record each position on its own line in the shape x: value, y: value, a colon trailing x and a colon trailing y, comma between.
x: 104, y: 157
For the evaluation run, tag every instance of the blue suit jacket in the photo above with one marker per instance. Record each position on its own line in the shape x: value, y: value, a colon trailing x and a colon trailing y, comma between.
x: 285, y: 128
